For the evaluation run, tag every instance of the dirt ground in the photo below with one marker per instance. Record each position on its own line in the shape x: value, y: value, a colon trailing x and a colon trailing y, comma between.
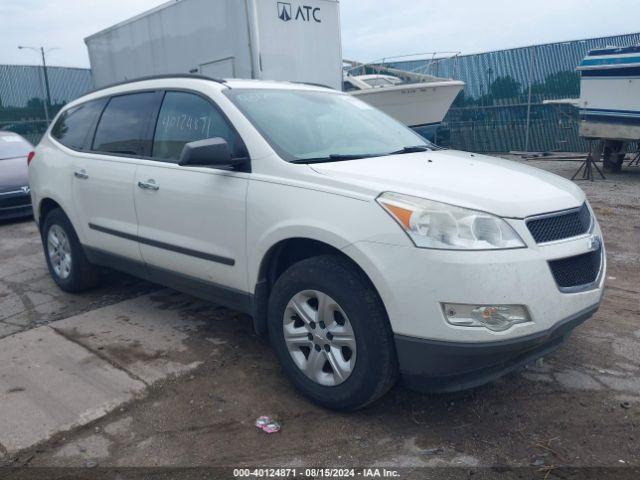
x: 578, y: 407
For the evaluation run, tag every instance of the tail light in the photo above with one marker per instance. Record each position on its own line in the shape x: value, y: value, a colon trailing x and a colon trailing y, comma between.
x: 30, y: 157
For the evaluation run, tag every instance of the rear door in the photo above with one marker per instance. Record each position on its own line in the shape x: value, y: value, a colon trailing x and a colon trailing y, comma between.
x: 192, y: 219
x: 104, y: 176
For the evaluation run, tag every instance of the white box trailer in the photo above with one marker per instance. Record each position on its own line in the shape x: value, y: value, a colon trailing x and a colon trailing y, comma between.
x: 264, y: 39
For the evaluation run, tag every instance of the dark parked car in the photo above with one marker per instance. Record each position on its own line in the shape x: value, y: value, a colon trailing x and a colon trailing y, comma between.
x: 15, y: 197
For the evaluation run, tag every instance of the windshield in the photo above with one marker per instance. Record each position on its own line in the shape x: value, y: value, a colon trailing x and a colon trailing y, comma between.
x: 379, y: 82
x: 318, y: 125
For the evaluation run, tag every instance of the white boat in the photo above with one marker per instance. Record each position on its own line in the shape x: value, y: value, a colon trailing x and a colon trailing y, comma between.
x: 415, y: 99
x: 610, y: 93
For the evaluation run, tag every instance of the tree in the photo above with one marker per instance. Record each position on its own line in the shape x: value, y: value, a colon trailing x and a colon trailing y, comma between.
x: 462, y: 100
x: 504, y: 87
x: 559, y: 84
x: 35, y: 102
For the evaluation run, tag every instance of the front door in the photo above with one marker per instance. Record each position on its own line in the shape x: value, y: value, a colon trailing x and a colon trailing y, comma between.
x: 191, y: 220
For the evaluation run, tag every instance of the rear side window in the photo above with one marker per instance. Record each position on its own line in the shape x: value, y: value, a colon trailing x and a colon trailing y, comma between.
x: 73, y: 126
x: 185, y: 117
x: 123, y: 127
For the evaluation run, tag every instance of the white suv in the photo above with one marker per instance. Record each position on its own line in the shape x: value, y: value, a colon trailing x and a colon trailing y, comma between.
x: 363, y: 251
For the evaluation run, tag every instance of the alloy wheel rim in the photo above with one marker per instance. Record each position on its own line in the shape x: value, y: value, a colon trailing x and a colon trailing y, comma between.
x: 319, y: 337
x: 59, y: 250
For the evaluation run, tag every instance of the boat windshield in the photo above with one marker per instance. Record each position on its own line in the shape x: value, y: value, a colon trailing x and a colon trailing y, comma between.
x: 311, y: 125
x: 379, y: 82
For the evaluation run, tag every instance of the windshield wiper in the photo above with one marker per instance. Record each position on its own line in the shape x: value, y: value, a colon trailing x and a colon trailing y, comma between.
x: 337, y: 157
x: 411, y: 149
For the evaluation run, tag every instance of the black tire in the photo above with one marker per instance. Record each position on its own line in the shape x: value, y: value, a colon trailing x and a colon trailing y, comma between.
x: 375, y: 370
x: 611, y: 166
x: 613, y: 156
x: 83, y: 275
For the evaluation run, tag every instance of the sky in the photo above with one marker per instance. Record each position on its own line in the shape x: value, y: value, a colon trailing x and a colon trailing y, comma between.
x: 371, y: 29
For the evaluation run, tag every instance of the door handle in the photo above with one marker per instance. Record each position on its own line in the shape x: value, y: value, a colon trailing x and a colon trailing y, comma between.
x: 81, y: 174
x: 149, y: 185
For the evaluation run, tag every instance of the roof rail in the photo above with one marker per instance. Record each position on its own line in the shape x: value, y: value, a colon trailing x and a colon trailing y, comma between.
x: 159, y: 77
x: 311, y: 84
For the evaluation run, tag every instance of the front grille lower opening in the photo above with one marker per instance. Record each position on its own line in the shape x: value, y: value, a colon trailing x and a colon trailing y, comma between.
x: 577, y: 271
x: 15, y: 201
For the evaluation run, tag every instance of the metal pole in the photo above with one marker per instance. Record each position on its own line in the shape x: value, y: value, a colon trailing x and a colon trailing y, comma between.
x: 526, y: 141
x: 47, y: 101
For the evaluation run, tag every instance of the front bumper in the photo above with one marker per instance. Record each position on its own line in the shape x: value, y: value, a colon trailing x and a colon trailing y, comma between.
x: 436, y: 366
x: 414, y: 283
x: 435, y: 355
x: 15, y: 204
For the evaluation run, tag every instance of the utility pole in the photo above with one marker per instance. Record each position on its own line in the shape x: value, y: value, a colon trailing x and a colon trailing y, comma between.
x: 531, y: 61
x: 46, y: 82
x: 47, y: 91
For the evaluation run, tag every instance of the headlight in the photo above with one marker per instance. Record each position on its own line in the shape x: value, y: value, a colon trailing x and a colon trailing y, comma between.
x: 442, y: 226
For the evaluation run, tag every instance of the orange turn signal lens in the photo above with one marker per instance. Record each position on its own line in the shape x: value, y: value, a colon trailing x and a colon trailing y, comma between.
x: 402, y: 215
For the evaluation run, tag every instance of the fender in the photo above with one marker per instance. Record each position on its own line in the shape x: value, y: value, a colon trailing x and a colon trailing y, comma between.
x: 293, y: 228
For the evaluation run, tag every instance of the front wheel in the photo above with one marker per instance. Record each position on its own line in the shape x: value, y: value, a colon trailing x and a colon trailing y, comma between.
x: 331, y: 333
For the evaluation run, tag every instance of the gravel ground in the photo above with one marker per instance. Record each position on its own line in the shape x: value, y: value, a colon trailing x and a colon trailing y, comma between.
x: 579, y: 407
x: 29, y: 297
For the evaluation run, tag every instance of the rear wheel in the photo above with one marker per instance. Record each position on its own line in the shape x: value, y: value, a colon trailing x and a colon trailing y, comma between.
x: 65, y: 257
x: 331, y: 333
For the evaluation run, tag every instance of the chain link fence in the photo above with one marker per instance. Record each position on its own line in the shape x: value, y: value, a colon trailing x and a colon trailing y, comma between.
x: 510, y: 101
x: 23, y: 96
x: 504, y: 106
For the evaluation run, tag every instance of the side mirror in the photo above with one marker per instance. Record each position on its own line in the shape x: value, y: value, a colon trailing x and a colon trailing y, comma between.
x: 211, y: 152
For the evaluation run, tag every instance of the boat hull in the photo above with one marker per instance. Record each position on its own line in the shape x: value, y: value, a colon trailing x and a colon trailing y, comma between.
x: 611, y: 98
x: 413, y: 104
x: 610, y: 94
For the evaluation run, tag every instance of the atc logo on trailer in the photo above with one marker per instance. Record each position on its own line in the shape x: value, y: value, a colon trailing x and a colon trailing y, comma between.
x: 284, y: 11
x: 302, y: 13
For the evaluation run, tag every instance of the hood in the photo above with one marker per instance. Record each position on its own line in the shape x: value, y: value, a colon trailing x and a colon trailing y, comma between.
x: 494, y: 185
x: 14, y: 173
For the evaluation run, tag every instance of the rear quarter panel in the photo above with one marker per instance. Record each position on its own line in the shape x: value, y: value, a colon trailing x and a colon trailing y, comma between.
x: 51, y: 176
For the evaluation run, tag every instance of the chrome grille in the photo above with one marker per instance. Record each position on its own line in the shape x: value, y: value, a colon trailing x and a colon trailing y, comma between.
x: 561, y: 225
x: 14, y: 199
